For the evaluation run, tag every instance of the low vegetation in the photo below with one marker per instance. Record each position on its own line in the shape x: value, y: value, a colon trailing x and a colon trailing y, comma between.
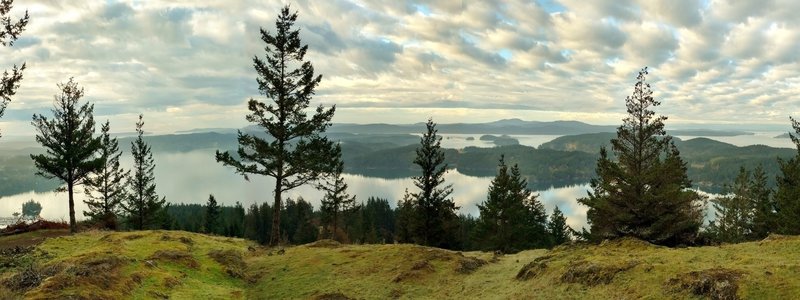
x: 182, y: 265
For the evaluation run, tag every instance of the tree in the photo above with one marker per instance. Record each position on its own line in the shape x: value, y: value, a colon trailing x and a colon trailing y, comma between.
x: 297, y: 153
x: 511, y: 219
x: 559, y: 231
x: 435, y: 219
x: 734, y: 211
x: 9, y: 33
x: 212, y: 215
x: 763, y: 207
x: 335, y: 200
x: 645, y: 193
x: 404, y: 222
x: 787, y: 194
x: 71, y: 148
x: 143, y: 205
x: 105, y: 190
x: 31, y: 209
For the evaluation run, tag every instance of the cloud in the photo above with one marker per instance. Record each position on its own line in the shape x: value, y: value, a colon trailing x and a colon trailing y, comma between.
x: 713, y: 61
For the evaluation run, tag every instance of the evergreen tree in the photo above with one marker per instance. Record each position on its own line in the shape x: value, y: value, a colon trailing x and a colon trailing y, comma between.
x: 212, y: 215
x: 106, y: 189
x: 9, y: 33
x: 511, y: 219
x: 252, y: 222
x: 435, y: 219
x: 405, y: 219
x: 335, y: 199
x: 68, y: 139
x: 559, y: 231
x: 298, y: 153
x: 763, y: 207
x: 645, y: 193
x: 787, y: 194
x: 31, y: 209
x: 734, y: 211
x: 143, y: 205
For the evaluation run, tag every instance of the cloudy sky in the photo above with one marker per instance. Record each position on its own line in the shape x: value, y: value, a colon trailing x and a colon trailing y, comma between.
x: 188, y: 64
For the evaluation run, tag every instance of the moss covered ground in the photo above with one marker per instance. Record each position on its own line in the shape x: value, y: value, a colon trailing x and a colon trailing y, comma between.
x: 182, y: 265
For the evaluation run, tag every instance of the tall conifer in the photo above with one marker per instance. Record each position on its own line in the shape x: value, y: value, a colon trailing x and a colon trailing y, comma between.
x: 644, y: 193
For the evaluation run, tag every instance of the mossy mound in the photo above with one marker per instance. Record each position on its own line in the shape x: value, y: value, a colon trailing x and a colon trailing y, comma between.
x: 181, y: 265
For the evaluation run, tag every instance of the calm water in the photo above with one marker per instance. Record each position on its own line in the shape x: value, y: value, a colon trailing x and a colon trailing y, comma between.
x: 758, y: 138
x: 191, y: 177
x: 460, y: 141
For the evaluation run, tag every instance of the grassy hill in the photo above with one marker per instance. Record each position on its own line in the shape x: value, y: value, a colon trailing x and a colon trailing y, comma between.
x: 181, y: 265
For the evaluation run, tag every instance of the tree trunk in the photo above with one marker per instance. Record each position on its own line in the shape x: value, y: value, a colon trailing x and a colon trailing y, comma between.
x: 275, y: 236
x: 333, y: 234
x: 73, y: 228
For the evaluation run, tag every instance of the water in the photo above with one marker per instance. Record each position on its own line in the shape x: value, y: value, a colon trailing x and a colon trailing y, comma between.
x: 461, y: 141
x: 191, y: 177
x: 758, y: 138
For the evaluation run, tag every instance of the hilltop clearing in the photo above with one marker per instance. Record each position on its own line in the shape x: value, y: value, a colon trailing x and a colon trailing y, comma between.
x: 182, y: 265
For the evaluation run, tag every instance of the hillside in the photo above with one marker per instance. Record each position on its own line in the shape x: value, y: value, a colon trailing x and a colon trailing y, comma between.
x: 181, y: 265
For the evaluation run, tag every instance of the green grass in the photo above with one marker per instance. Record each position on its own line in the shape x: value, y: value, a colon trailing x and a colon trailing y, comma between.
x: 178, y: 265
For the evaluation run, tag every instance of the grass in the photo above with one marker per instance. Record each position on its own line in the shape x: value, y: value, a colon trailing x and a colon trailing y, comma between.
x: 181, y: 265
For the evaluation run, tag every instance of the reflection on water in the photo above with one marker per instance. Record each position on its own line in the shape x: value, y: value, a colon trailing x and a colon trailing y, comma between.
x: 767, y: 138
x: 191, y: 177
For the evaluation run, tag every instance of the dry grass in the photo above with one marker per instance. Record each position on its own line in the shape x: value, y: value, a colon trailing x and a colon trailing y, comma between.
x: 180, y: 265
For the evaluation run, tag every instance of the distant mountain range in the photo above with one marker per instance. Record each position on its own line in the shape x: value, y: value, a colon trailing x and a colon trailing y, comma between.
x: 506, y: 126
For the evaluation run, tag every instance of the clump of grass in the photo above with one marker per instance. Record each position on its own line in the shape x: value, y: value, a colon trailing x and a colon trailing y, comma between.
x: 468, y: 265
x: 534, y: 268
x: 593, y: 273
x: 715, y: 283
x: 176, y: 256
x: 232, y: 261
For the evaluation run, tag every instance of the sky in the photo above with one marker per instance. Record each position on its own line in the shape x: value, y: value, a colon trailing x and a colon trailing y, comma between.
x: 188, y: 64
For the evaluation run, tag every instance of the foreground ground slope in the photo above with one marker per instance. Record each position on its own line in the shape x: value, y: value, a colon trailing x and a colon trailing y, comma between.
x: 181, y: 265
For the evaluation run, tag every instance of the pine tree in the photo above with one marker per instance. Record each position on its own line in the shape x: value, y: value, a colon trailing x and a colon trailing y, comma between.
x: 404, y: 232
x: 435, y: 218
x: 212, y: 215
x: 646, y: 192
x: 734, y: 211
x: 31, y: 209
x: 559, y: 231
x: 336, y: 199
x: 511, y: 219
x: 763, y: 207
x: 298, y: 153
x: 68, y: 139
x: 787, y: 194
x: 143, y: 205
x: 9, y: 33
x: 105, y: 190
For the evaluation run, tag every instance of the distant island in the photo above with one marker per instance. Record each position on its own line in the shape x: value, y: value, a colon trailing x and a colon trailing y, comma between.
x: 503, y: 140
x: 782, y: 136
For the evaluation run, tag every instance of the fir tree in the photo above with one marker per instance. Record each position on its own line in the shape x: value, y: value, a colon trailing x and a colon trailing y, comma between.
x: 31, y: 209
x: 297, y: 154
x: 143, y: 205
x: 511, y: 219
x: 763, y: 206
x: 646, y: 192
x: 9, y: 33
x: 212, y: 215
x: 335, y: 200
x: 787, y: 194
x: 559, y: 231
x: 734, y: 211
x: 105, y: 190
x: 69, y: 141
x: 435, y: 218
x: 405, y: 219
